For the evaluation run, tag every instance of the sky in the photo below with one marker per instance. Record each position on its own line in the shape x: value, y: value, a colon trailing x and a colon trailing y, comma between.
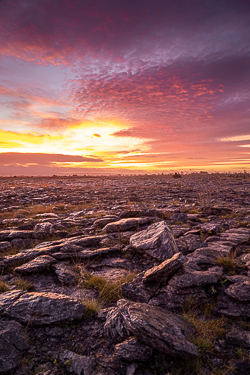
x: 129, y: 86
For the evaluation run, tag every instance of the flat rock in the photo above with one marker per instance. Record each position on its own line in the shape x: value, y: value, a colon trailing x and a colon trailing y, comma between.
x: 133, y: 350
x: 173, y: 299
x: 100, y: 223
x: 44, y: 308
x: 7, y: 298
x: 77, y: 364
x: 125, y: 224
x: 157, y: 241
x: 4, y: 235
x: 165, y: 269
x: 230, y: 307
x: 240, y: 291
x: 38, y: 264
x: 238, y: 338
x: 48, y: 215
x: 86, y: 254
x: 204, y: 257
x: 192, y: 278
x: 189, y: 243
x: 20, y: 234
x: 158, y: 328
x: 178, y: 216
x: 12, y: 343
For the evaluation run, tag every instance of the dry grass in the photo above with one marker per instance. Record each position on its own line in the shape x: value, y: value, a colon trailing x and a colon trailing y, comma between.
x: 110, y: 291
x: 3, y: 287
x: 207, y: 330
x: 228, y: 261
x: 93, y: 306
x: 23, y: 284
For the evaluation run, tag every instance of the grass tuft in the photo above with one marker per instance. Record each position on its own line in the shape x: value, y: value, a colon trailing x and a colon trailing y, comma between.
x: 228, y: 261
x: 207, y: 331
x: 93, y: 306
x: 23, y: 284
x: 3, y: 287
x: 110, y: 291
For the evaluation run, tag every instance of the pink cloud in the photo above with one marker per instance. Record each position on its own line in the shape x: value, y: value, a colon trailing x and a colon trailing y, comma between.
x: 16, y: 158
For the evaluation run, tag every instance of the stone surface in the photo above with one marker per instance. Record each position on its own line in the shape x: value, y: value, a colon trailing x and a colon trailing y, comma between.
x: 157, y: 240
x: 238, y: 338
x: 77, y: 364
x: 165, y: 269
x: 137, y: 290
x: 44, y: 308
x: 133, y: 350
x: 231, y: 307
x: 65, y: 273
x: 188, y: 243
x: 125, y: 224
x: 158, y: 328
x: 39, y: 264
x: 43, y: 230
x: 206, y: 225
x: 7, y: 298
x: 192, y: 278
x: 115, y: 328
x: 240, y: 291
x: 5, y: 246
x: 12, y: 343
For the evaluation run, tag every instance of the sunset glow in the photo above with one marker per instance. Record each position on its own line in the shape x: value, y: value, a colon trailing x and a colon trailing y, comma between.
x: 124, y: 87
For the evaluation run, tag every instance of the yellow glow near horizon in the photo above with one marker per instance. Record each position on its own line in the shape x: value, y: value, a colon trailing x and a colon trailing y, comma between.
x: 87, y: 138
x: 96, y: 139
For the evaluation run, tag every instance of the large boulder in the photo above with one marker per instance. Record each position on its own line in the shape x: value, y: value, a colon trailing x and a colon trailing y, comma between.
x: 44, y: 308
x: 153, y: 326
x: 157, y: 241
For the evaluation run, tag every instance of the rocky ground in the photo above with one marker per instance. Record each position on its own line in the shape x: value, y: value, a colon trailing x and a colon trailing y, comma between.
x: 125, y: 275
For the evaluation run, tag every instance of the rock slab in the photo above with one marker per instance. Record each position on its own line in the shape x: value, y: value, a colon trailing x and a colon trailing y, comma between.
x: 154, y: 327
x: 44, y: 308
x: 157, y: 241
